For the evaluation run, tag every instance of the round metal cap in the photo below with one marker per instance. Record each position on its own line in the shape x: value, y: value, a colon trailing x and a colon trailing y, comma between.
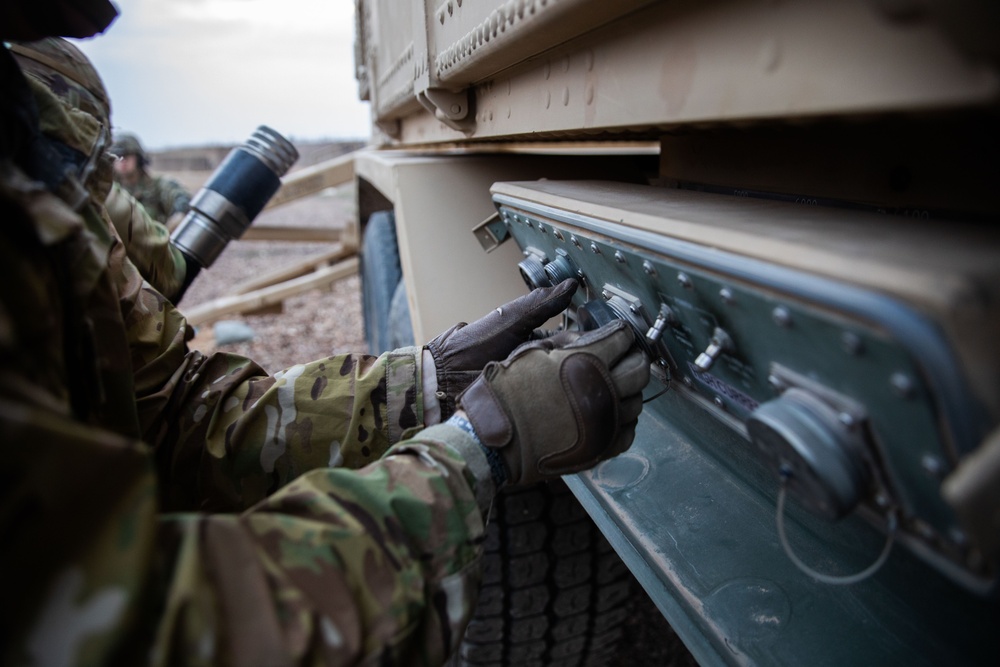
x: 803, y: 440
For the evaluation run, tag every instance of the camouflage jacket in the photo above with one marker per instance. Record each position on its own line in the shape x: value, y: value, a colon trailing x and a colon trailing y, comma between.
x: 166, y: 507
x: 162, y: 196
x: 147, y: 242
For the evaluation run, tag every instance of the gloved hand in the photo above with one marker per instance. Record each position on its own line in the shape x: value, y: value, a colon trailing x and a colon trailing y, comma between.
x: 560, y: 405
x: 461, y: 353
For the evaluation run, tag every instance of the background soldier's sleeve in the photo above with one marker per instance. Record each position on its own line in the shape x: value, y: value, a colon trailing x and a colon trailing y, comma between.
x: 173, y: 197
x: 147, y: 242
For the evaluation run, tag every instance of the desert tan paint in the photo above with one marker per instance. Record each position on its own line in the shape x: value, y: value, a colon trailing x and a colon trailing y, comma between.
x: 438, y: 199
x: 659, y: 65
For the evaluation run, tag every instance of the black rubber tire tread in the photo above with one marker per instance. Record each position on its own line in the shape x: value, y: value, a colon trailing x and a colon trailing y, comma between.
x: 528, y: 570
x: 552, y: 592
x: 380, y: 275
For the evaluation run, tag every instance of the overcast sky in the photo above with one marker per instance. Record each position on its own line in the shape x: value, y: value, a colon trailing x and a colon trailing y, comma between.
x: 191, y: 72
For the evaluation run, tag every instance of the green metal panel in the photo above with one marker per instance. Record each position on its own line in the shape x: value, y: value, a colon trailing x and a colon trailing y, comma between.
x: 692, y: 506
x: 691, y: 512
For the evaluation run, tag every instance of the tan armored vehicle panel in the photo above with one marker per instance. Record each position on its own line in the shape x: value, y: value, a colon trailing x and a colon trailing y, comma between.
x: 794, y: 206
x: 458, y: 71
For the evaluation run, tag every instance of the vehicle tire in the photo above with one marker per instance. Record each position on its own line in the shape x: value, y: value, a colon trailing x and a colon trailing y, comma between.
x: 554, y: 592
x: 400, y: 326
x: 380, y: 275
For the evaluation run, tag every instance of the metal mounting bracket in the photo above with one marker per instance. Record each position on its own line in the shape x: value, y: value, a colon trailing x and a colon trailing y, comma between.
x: 449, y: 107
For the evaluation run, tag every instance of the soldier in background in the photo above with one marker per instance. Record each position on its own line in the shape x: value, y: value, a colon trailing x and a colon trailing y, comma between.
x: 67, y: 73
x: 166, y: 507
x: 165, y: 199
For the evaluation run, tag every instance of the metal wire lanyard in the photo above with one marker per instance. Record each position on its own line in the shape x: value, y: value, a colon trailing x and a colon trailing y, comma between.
x: 836, y: 580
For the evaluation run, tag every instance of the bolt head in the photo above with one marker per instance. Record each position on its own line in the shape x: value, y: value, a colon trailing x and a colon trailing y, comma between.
x: 684, y: 280
x: 902, y: 385
x: 648, y: 268
x: 782, y: 317
x: 726, y: 295
x: 852, y: 343
x: 933, y: 465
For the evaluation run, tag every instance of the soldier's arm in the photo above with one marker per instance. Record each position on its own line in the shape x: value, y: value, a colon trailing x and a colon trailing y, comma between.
x: 339, y: 567
x: 227, y: 433
x: 378, y: 565
x: 382, y: 564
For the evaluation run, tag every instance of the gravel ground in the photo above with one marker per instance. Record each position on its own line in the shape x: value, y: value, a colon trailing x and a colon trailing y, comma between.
x: 314, y: 324
x: 324, y: 322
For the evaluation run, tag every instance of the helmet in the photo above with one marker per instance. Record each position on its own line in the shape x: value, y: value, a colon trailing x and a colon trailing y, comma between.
x: 67, y: 72
x: 128, y: 144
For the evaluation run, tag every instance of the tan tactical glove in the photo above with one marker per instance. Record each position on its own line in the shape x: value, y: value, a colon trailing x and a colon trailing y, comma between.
x: 559, y: 405
x: 461, y: 353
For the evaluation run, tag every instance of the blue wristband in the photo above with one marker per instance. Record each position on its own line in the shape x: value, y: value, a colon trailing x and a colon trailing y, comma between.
x: 497, y: 469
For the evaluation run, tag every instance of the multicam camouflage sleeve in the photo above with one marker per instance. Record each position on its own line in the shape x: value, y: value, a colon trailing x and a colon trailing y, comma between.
x: 177, y: 199
x: 147, y: 242
x: 339, y: 567
x: 227, y: 434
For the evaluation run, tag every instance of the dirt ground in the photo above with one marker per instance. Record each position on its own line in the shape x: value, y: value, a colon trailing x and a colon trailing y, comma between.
x: 324, y: 322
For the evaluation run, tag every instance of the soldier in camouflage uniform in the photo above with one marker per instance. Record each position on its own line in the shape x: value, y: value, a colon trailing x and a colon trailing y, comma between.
x: 165, y: 199
x: 64, y: 69
x: 165, y: 507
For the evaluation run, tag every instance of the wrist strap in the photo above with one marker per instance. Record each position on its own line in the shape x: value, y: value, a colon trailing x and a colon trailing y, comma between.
x: 497, y: 469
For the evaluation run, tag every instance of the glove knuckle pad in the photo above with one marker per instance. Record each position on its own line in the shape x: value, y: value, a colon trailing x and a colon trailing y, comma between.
x: 590, y: 392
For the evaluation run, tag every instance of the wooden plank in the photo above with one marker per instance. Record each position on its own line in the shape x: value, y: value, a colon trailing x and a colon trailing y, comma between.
x: 310, y: 180
x: 230, y: 305
x: 301, y: 268
x: 272, y: 309
x: 292, y: 233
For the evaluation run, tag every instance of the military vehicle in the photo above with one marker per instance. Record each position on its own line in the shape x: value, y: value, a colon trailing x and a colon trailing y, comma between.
x: 794, y: 204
